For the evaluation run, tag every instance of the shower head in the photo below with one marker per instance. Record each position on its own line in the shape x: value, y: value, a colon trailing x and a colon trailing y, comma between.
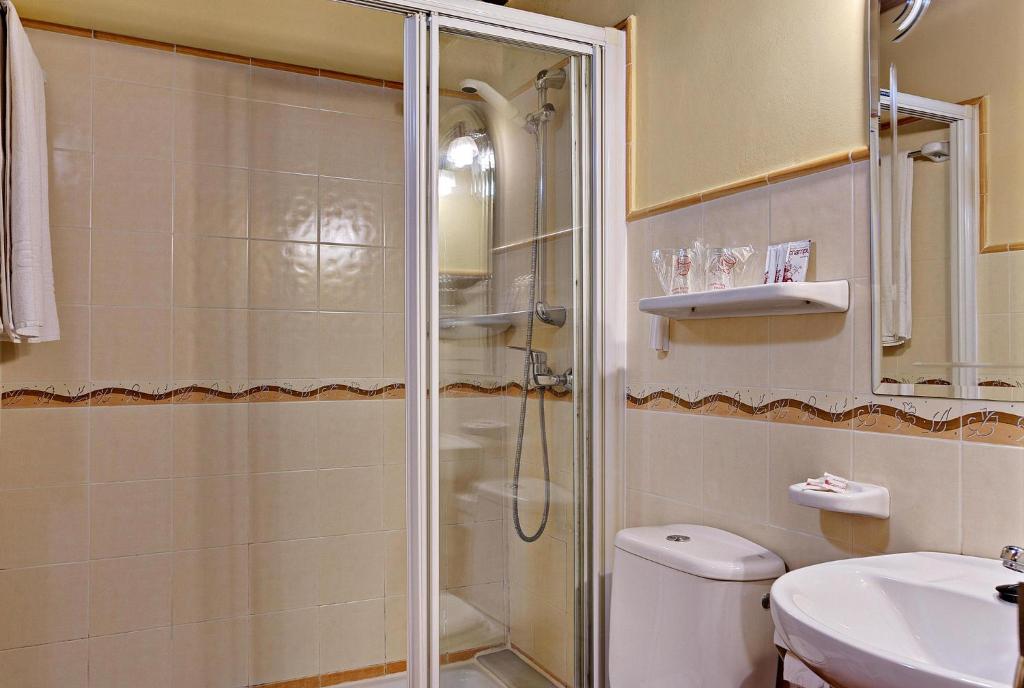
x: 493, y: 98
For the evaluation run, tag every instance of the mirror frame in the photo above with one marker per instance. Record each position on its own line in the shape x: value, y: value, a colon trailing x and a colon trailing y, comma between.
x: 874, y: 109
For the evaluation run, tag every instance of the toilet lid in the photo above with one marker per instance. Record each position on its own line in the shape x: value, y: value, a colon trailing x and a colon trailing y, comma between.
x: 702, y: 551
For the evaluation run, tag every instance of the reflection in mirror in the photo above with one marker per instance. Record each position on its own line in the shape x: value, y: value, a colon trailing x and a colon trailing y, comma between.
x: 948, y: 222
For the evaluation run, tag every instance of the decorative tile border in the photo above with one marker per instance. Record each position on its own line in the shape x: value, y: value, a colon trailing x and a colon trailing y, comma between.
x: 930, y: 418
x: 142, y: 394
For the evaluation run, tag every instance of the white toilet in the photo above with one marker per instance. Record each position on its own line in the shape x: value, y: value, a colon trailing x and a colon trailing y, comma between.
x: 687, y: 611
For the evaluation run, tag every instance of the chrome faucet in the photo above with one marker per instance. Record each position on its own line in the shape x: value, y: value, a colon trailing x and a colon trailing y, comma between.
x: 1013, y: 558
x: 541, y: 372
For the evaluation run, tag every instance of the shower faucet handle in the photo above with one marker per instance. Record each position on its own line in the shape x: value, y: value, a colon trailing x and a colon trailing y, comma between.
x: 536, y: 356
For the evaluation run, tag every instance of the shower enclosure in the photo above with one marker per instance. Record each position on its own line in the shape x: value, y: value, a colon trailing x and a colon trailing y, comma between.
x: 329, y: 401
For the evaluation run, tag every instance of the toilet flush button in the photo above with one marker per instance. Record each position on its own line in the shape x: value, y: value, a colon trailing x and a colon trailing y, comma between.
x: 678, y: 538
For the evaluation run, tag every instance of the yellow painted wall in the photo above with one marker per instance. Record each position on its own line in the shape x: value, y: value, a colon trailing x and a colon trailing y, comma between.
x: 729, y: 89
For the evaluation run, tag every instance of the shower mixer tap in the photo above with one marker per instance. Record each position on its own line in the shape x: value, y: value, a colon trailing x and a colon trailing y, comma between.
x: 541, y: 373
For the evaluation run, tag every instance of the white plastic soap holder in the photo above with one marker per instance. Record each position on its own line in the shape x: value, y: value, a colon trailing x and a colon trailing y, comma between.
x: 863, y: 499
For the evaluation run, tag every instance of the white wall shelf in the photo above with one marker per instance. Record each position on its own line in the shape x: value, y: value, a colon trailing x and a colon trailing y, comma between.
x: 786, y: 298
x: 863, y: 499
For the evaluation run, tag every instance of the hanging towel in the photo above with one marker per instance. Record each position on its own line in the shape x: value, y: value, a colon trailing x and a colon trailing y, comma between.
x: 894, y: 253
x: 27, y: 302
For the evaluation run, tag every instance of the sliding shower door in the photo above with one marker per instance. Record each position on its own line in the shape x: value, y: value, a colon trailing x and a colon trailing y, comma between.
x: 504, y: 422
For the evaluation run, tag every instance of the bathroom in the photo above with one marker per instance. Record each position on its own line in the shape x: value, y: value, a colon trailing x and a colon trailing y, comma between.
x: 357, y: 366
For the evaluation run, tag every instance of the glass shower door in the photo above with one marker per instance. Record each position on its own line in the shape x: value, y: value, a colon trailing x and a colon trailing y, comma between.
x: 510, y: 482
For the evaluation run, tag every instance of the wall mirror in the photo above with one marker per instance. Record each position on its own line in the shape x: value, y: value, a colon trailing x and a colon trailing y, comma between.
x: 946, y: 87
x: 466, y: 192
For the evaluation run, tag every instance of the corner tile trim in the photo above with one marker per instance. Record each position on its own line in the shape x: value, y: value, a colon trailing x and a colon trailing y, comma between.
x: 139, y: 395
x: 984, y: 425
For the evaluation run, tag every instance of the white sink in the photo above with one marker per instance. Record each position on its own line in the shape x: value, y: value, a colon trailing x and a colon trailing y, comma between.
x: 920, y: 620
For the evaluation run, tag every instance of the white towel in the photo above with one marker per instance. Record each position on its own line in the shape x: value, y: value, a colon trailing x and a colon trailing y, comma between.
x: 29, y: 302
x: 894, y: 268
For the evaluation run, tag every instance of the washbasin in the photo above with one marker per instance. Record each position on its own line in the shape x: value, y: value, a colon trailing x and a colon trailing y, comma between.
x: 918, y: 620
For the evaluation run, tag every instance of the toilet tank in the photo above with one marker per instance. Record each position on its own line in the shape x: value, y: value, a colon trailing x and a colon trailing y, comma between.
x: 686, y: 610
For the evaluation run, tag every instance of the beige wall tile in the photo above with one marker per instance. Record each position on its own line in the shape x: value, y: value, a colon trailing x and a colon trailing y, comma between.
x: 282, y: 437
x: 210, y: 439
x: 351, y: 212
x: 675, y: 450
x: 44, y: 447
x: 131, y: 659
x: 351, y: 345
x: 210, y: 200
x: 360, y: 99
x: 349, y: 433
x: 284, y: 206
x: 211, y: 76
x: 394, y: 496
x: 282, y: 344
x: 66, y: 360
x: 130, y: 443
x: 133, y: 63
x: 351, y: 278
x: 990, y: 522
x: 796, y: 549
x: 284, y: 505
x: 60, y: 53
x: 212, y: 654
x: 351, y: 500
x: 393, y: 199
x: 211, y: 512
x: 646, y: 509
x: 396, y: 560
x: 861, y: 219
x: 396, y: 629
x: 351, y: 635
x: 798, y: 453
x: 131, y: 343
x: 735, y: 466
x: 352, y: 567
x: 71, y: 265
x: 394, y: 431
x: 394, y: 345
x: 473, y: 553
x: 58, y: 665
x: 350, y: 146
x: 284, y: 645
x: 211, y: 344
x: 210, y: 272
x: 394, y: 281
x: 284, y: 87
x: 130, y: 518
x: 283, y: 138
x: 44, y: 526
x: 282, y: 274
x: 70, y: 187
x: 211, y: 129
x: 284, y: 575
x: 740, y: 220
x: 812, y: 352
x: 67, y: 98
x: 860, y: 293
x: 44, y: 605
x: 210, y: 584
x: 129, y: 594
x: 131, y: 268
x: 131, y: 119
x: 817, y: 207
x: 131, y: 194
x: 736, y: 353
x: 923, y: 477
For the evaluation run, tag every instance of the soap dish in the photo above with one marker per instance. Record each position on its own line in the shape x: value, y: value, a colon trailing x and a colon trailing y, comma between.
x: 863, y: 499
